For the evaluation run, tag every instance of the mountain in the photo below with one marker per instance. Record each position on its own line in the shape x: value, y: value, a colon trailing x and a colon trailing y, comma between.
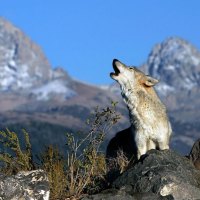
x: 26, y: 70
x: 176, y: 63
x: 47, y: 102
x: 22, y: 62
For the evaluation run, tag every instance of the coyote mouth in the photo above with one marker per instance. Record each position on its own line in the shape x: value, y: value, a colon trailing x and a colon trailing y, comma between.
x: 116, y: 69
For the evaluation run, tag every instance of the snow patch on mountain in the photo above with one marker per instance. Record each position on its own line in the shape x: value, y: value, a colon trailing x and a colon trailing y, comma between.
x: 14, y: 77
x: 51, y: 88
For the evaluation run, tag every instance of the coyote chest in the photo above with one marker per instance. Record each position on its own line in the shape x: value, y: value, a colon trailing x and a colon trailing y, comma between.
x: 149, y: 121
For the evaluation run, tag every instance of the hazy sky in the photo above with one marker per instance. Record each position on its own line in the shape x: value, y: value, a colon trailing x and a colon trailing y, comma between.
x: 83, y: 36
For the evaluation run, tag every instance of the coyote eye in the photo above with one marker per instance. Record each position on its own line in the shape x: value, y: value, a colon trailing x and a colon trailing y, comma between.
x: 131, y: 68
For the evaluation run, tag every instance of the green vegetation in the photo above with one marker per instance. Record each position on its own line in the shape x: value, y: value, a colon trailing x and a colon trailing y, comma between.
x: 82, y: 171
x: 13, y: 158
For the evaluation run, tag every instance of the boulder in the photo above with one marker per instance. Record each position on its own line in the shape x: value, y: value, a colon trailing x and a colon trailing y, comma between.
x: 126, y: 194
x: 25, y: 185
x: 194, y: 155
x: 163, y: 173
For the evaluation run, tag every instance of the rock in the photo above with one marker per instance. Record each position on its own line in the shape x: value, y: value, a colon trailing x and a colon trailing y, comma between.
x: 124, y: 194
x: 112, y: 194
x: 194, y: 155
x: 25, y: 185
x: 162, y: 173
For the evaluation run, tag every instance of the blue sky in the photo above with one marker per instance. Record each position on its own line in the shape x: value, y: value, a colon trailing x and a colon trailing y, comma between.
x: 83, y: 36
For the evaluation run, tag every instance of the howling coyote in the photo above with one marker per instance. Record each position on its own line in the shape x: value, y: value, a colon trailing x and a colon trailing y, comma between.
x: 150, y: 127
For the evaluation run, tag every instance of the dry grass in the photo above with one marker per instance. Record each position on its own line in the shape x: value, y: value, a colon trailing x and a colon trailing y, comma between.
x: 121, y: 161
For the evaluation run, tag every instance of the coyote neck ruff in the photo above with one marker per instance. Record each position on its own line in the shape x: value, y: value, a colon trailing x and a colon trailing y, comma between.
x: 149, y: 121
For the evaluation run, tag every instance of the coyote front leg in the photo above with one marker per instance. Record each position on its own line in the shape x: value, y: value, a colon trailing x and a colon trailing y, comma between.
x: 163, y: 145
x: 141, y: 143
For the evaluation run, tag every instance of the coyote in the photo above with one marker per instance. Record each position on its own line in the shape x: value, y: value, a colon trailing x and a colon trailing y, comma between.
x: 150, y: 127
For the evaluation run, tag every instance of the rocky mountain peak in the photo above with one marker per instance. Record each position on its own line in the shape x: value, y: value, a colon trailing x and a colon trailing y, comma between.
x: 176, y: 63
x: 22, y: 62
x: 60, y: 73
x: 25, y: 69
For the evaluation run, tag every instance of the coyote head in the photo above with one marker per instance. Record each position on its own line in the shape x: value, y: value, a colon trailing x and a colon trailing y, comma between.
x: 130, y: 76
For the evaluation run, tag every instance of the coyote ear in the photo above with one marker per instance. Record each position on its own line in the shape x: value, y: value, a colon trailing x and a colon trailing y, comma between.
x: 150, y: 81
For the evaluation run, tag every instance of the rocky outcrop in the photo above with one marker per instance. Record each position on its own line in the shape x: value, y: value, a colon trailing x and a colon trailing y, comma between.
x: 126, y: 194
x: 25, y: 185
x: 194, y: 155
x: 163, y: 173
x: 157, y: 175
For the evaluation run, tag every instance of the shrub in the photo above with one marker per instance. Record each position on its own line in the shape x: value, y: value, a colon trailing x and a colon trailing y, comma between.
x: 85, y: 163
x: 15, y: 158
x: 53, y: 163
x: 82, y: 171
